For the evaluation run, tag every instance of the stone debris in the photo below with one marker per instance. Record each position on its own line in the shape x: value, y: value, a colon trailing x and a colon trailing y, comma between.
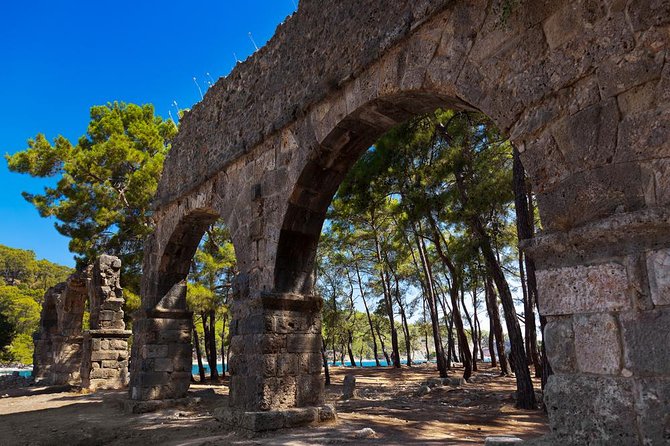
x: 364, y: 433
x: 423, y: 390
x: 503, y: 441
x: 349, y: 387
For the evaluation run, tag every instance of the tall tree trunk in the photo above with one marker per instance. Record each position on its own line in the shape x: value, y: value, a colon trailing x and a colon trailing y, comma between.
x: 214, y: 373
x: 350, y: 340
x: 367, y: 312
x: 198, y: 355
x: 395, y: 356
x: 223, y: 345
x: 432, y: 306
x: 524, y: 383
x: 454, y: 288
x: 496, y: 325
x: 326, y: 370
x: 494, y: 362
x: 381, y: 341
x: 403, y: 317
x: 525, y: 230
x: 473, y: 332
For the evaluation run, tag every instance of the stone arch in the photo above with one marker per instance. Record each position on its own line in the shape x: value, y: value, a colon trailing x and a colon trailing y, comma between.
x: 580, y: 87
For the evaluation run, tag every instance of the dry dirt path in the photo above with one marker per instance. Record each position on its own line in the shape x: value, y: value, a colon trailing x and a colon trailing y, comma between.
x: 387, y: 405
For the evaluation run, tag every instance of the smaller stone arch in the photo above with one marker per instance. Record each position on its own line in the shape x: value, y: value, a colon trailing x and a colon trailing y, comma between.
x: 162, y: 351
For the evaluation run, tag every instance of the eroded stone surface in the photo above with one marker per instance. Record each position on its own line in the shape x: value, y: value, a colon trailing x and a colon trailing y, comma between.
x: 597, y: 343
x: 581, y: 289
x: 658, y: 267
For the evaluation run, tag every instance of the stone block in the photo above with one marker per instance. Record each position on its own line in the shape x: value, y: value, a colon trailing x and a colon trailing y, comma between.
x: 591, y: 410
x: 646, y: 340
x: 652, y: 403
x: 155, y: 351
x: 163, y: 365
x: 582, y: 289
x: 588, y: 138
x: 263, y: 421
x: 304, y: 343
x: 101, y: 355
x: 658, y: 267
x: 301, y: 416
x: 597, y: 343
x: 560, y: 344
x: 349, y: 387
x: 327, y: 413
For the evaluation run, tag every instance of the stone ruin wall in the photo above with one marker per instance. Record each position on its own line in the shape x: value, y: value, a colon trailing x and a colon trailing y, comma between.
x: 214, y: 133
x: 67, y: 355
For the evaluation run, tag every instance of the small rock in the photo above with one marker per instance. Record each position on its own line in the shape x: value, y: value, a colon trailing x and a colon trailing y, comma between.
x: 502, y: 441
x: 349, y: 388
x: 364, y: 433
x: 423, y: 390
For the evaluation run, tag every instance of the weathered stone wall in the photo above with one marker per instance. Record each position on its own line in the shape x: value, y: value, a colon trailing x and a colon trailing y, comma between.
x: 97, y: 358
x: 582, y: 89
x: 315, y: 51
x: 105, y: 348
x: 58, y: 343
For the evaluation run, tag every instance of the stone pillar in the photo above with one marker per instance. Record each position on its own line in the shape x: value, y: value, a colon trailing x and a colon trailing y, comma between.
x: 605, y: 290
x: 162, y: 351
x: 105, y: 346
x: 275, y: 363
x: 58, y: 344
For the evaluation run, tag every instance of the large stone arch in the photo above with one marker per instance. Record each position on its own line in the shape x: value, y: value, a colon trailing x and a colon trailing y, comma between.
x: 581, y: 88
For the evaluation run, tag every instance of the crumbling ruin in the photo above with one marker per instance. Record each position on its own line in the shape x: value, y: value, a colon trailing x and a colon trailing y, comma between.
x: 582, y: 88
x: 96, y: 358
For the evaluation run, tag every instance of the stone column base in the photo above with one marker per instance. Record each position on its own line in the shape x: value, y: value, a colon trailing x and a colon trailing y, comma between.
x: 105, y: 359
x: 275, y: 419
x: 161, y: 354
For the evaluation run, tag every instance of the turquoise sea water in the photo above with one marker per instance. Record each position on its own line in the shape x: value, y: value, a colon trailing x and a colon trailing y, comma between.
x: 366, y: 363
x: 194, y: 370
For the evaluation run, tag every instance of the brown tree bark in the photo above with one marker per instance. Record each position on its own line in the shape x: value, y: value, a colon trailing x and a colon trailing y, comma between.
x: 367, y: 312
x: 198, y: 355
x: 494, y: 317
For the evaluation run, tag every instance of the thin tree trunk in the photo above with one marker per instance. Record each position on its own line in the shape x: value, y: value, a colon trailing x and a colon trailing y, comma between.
x: 198, y: 355
x: 223, y: 345
x: 326, y: 370
x: 350, y: 340
x: 524, y: 383
x: 432, y: 307
x: 389, y: 307
x: 214, y: 373
x: 381, y: 341
x: 367, y: 312
x: 494, y: 362
x: 494, y: 317
x: 454, y: 287
x: 403, y: 318
x: 473, y: 333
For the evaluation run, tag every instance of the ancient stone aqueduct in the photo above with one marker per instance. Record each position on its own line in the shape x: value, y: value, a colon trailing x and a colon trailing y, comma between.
x: 582, y: 88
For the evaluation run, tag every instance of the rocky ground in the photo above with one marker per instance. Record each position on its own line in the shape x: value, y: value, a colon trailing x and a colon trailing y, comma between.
x: 387, y: 411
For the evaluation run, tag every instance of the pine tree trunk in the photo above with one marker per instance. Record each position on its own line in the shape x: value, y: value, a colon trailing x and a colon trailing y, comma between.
x: 198, y: 355
x: 395, y: 355
x: 214, y: 373
x: 223, y: 346
x: 432, y: 307
x: 525, y: 231
x: 350, y: 340
x: 367, y: 312
x: 494, y: 361
x: 473, y: 334
x: 381, y: 341
x: 496, y: 324
x: 326, y: 370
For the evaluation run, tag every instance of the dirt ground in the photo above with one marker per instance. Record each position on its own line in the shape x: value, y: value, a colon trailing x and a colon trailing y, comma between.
x: 387, y: 404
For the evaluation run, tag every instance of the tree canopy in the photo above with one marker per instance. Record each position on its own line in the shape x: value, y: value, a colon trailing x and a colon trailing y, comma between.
x: 104, y: 183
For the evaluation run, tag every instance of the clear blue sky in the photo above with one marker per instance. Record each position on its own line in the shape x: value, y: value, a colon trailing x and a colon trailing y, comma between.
x: 57, y: 59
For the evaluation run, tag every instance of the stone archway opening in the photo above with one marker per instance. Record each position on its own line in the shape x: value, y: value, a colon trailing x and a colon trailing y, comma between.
x: 309, y: 207
x: 182, y: 331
